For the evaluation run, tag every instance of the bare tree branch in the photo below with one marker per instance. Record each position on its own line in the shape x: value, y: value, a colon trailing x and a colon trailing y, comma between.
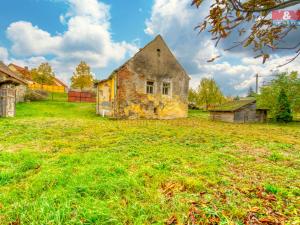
x: 225, y: 16
x: 239, y: 7
x: 291, y: 60
x: 286, y: 48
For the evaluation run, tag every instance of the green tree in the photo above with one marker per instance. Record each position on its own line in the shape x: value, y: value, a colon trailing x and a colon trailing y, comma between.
x: 237, y: 98
x: 43, y: 74
x: 251, y: 92
x: 290, y: 83
x: 209, y: 93
x: 227, y: 17
x: 283, y: 108
x: 192, y: 96
x: 82, y: 77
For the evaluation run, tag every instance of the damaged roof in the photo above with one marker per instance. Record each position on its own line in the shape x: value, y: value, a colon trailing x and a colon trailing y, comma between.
x: 11, y: 75
x: 232, y: 106
x: 26, y: 75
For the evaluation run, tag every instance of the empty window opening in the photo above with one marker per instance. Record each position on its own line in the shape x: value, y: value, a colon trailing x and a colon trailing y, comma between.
x: 158, y: 51
x: 166, y: 88
x: 155, y: 110
x: 150, y: 87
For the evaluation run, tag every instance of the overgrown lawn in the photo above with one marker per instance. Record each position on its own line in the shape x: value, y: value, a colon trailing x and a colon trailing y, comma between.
x: 62, y: 164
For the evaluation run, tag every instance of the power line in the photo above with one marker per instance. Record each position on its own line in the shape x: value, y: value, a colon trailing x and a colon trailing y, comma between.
x: 257, y: 77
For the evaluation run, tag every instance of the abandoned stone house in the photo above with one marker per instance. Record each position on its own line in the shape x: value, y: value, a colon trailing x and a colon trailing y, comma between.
x: 240, y: 111
x: 152, y: 85
x: 9, y: 83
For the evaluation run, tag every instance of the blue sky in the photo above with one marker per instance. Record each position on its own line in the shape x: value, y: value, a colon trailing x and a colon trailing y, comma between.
x: 106, y: 33
x: 127, y: 23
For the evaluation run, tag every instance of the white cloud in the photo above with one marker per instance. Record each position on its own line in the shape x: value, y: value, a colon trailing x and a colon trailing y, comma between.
x: 3, y: 54
x: 29, y: 62
x: 87, y: 38
x: 234, y: 71
x: 170, y: 13
x: 93, y: 9
x: 30, y: 40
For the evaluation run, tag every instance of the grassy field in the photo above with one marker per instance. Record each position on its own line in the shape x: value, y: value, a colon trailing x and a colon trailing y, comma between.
x: 61, y: 164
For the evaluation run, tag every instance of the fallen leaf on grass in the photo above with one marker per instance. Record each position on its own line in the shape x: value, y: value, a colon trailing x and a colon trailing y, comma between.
x: 267, y: 221
x: 193, y: 213
x: 254, y: 209
x: 270, y: 198
x: 222, y: 196
x: 251, y: 219
x: 17, y: 222
x: 172, y: 220
x: 202, y: 193
x: 169, y: 188
x: 214, y: 220
x: 261, y: 193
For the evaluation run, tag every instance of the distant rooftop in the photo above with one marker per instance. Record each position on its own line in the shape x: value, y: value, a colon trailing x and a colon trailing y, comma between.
x: 4, y: 69
x: 233, y: 105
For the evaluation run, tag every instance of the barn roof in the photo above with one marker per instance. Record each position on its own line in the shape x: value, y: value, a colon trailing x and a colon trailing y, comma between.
x: 232, y: 106
x: 24, y: 72
x: 58, y: 81
x: 11, y: 75
x: 26, y: 75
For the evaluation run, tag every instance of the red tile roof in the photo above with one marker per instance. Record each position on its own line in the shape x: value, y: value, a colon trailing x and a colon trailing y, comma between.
x: 26, y: 74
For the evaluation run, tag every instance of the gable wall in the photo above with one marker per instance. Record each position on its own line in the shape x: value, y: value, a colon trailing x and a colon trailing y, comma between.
x: 149, y: 65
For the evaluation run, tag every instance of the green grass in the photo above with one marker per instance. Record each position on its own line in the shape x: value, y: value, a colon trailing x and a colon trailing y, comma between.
x: 62, y: 164
x: 58, y: 97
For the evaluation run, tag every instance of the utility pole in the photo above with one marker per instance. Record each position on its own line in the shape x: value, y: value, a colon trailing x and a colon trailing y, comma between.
x: 256, y: 83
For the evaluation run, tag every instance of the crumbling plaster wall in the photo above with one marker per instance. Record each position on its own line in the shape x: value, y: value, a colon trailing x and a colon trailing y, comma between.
x: 155, y: 63
x: 106, y: 97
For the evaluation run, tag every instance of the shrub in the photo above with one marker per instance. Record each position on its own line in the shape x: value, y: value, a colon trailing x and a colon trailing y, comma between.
x: 36, y: 95
x: 283, y: 112
x: 193, y: 106
x: 43, y: 93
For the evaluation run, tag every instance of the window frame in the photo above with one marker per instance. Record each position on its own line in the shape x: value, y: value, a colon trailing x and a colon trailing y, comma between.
x: 169, y: 88
x: 153, y: 87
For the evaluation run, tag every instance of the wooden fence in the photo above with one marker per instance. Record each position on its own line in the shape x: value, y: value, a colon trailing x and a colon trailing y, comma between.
x: 49, y: 88
x: 75, y: 96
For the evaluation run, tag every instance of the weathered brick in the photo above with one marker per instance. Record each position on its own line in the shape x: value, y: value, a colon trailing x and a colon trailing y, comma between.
x: 123, y: 94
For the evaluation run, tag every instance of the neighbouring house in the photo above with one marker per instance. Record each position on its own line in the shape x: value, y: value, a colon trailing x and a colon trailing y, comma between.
x: 9, y: 83
x: 239, y: 111
x: 57, y: 86
x: 59, y: 83
x: 152, y: 85
x: 21, y: 88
